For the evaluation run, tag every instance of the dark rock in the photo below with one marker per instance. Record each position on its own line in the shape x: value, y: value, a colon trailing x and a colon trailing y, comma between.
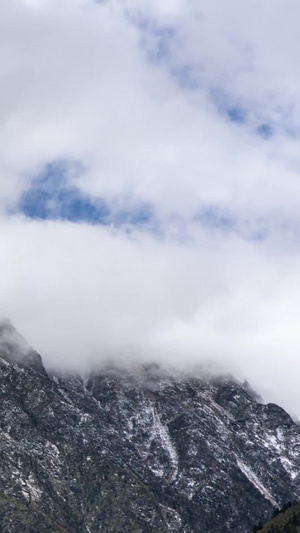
x: 138, y: 450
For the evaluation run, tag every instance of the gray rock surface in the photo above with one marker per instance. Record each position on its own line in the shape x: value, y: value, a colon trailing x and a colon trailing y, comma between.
x: 139, y: 450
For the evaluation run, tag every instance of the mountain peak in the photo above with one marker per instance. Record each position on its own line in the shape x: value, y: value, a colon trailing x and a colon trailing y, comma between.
x: 14, y: 348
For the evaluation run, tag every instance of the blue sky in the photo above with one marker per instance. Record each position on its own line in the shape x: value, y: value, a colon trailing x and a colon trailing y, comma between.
x: 51, y: 197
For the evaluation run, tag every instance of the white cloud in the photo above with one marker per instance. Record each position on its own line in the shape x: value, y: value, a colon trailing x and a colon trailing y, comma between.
x: 72, y: 90
x: 77, y: 83
x: 80, y: 292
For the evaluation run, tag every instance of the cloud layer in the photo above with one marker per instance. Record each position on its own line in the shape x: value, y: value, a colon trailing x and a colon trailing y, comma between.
x: 182, y: 120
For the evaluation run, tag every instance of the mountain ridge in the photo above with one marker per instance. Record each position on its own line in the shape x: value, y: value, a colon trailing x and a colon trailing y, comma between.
x: 142, y: 450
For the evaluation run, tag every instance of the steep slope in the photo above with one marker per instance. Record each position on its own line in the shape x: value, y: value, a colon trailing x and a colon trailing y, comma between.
x: 15, y: 516
x: 140, y: 450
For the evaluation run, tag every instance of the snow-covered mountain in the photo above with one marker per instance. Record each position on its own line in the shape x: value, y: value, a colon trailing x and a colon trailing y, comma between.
x: 139, y: 450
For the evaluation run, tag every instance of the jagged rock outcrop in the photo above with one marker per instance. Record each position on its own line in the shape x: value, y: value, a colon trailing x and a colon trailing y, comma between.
x: 138, y: 450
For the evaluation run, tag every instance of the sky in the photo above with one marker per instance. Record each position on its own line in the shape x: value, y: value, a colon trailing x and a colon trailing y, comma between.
x: 150, y: 184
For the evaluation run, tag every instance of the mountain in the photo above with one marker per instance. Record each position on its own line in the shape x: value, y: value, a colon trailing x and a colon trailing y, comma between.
x: 137, y: 450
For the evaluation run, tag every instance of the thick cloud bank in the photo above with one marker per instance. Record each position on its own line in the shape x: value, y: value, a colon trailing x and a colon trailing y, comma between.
x: 168, y: 225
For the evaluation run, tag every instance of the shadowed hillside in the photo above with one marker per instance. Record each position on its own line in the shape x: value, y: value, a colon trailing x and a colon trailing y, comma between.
x: 286, y: 521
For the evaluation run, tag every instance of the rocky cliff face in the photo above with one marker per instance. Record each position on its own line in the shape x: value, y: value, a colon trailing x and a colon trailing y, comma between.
x: 137, y: 451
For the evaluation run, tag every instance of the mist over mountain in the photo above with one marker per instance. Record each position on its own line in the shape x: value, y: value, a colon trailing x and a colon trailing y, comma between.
x: 137, y: 449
